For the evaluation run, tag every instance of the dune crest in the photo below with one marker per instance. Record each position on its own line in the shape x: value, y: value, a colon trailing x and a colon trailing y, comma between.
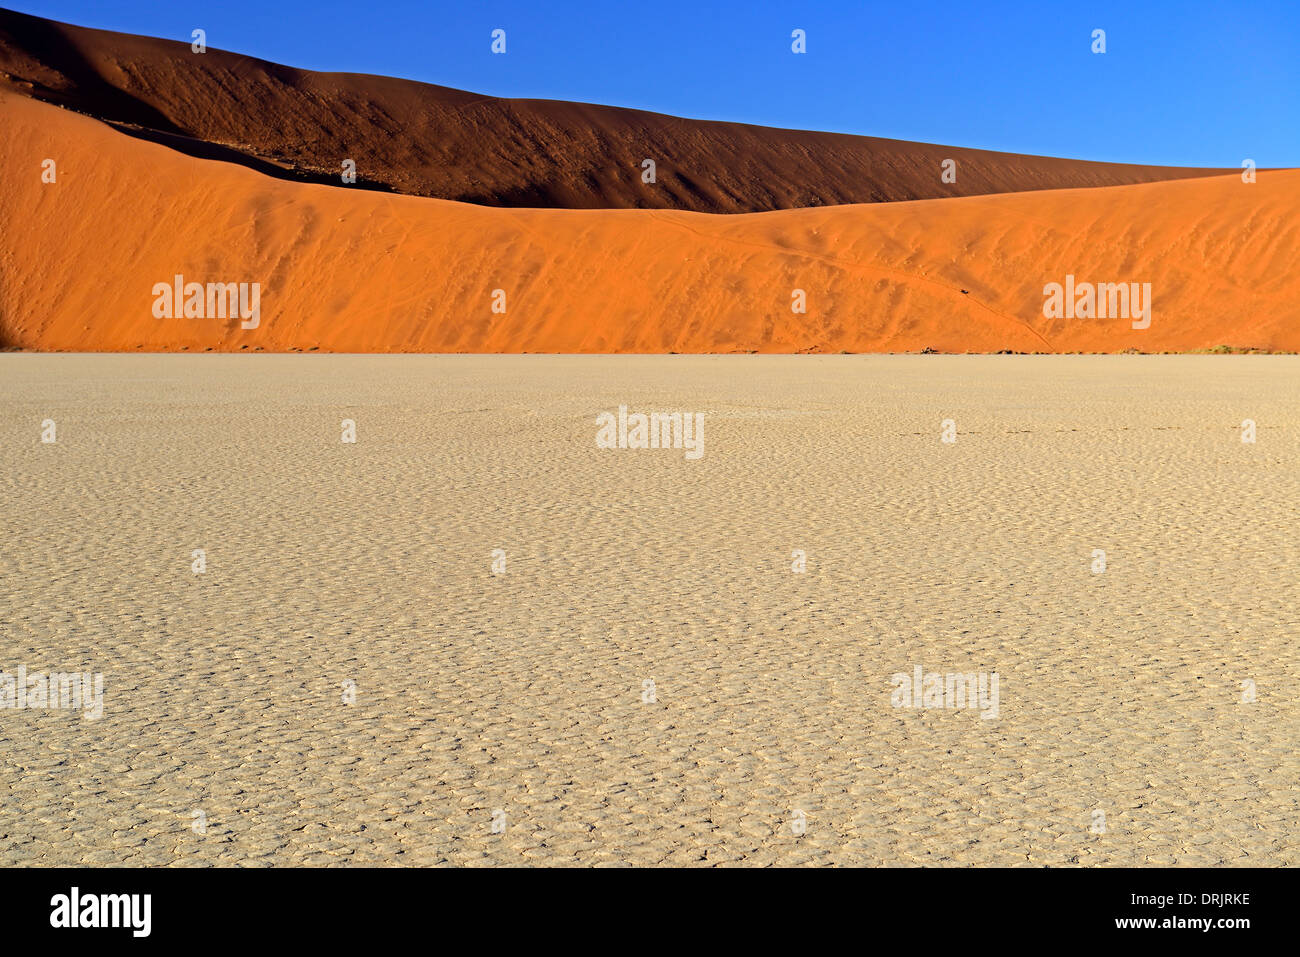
x: 426, y: 140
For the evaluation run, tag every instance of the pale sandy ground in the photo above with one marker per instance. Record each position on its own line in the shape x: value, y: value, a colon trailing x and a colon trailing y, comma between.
x: 370, y: 562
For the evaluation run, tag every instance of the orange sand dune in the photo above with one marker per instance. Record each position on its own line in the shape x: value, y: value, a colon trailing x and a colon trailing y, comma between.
x: 426, y: 140
x: 364, y: 271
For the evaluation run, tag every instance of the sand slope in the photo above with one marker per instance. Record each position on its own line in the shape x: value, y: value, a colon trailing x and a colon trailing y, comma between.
x: 349, y: 270
x: 433, y: 141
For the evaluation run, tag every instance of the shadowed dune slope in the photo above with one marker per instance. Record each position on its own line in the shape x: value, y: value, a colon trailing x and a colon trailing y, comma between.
x: 433, y: 141
x: 361, y: 271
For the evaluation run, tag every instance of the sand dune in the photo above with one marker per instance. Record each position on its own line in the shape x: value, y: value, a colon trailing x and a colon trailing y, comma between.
x: 360, y: 271
x: 433, y: 141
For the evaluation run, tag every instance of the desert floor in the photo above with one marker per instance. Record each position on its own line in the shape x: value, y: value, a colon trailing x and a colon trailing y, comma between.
x: 521, y: 697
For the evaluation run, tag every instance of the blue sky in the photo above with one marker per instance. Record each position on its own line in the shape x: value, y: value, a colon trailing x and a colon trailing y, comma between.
x: 1180, y: 83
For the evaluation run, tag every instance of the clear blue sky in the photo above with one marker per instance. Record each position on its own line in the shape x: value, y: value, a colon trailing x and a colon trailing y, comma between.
x: 1181, y: 83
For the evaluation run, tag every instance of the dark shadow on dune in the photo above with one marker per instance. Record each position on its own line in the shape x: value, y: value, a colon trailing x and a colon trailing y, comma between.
x: 46, y: 40
x: 7, y: 341
x: 525, y: 197
x: 202, y: 149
